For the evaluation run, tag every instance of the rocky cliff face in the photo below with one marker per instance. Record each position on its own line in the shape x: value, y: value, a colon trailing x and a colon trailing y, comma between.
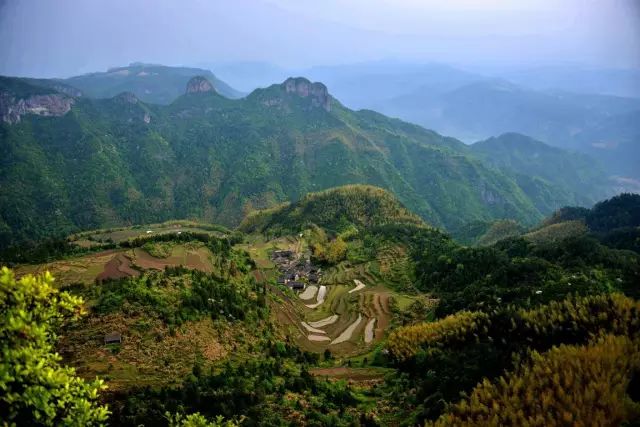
x: 302, y: 87
x: 199, y: 84
x: 12, y: 108
x: 127, y: 97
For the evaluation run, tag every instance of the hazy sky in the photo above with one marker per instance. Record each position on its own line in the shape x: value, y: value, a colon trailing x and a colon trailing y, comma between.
x: 65, y: 37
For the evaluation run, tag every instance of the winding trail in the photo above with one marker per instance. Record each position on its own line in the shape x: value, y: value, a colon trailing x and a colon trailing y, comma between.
x: 359, y: 285
x: 346, y: 334
x: 322, y: 293
x: 368, y: 330
x: 325, y: 322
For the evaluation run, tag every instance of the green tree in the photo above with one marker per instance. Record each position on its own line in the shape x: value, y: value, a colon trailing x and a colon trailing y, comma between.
x: 36, y: 388
x: 336, y: 251
x: 198, y: 420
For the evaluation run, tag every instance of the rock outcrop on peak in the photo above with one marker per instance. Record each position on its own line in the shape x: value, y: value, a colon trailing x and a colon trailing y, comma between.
x: 127, y: 97
x: 304, y: 88
x: 199, y: 84
x: 13, y: 108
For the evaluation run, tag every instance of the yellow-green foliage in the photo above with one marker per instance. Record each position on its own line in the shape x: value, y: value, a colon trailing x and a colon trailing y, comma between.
x: 405, y: 342
x: 500, y: 230
x: 557, y: 232
x: 158, y: 249
x: 35, y: 389
x: 198, y: 420
x: 613, y: 313
x: 567, y: 386
x: 336, y: 251
x: 337, y: 209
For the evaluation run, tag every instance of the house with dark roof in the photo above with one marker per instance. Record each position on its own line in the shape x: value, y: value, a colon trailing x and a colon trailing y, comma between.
x: 296, y: 286
x: 113, y: 338
x: 282, y: 254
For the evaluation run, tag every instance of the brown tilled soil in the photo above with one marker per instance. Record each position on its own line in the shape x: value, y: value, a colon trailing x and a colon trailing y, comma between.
x: 195, y: 261
x: 384, y: 316
x: 353, y: 374
x: 118, y: 267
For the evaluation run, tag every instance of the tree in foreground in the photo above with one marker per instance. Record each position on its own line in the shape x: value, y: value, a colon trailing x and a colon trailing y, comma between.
x: 198, y: 420
x: 35, y: 388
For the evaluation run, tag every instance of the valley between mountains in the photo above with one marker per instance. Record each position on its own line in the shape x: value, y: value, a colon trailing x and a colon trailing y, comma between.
x: 72, y: 163
x: 182, y: 254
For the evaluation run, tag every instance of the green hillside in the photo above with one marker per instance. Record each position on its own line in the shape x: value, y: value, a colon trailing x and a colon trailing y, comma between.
x: 411, y: 327
x: 615, y: 222
x: 571, y: 175
x: 335, y: 209
x: 121, y: 161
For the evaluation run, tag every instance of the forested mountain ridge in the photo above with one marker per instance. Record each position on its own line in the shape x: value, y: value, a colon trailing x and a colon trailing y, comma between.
x: 571, y: 174
x: 121, y: 161
x: 598, y: 125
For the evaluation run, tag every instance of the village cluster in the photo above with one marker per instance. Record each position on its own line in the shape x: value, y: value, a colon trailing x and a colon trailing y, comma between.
x: 296, y: 271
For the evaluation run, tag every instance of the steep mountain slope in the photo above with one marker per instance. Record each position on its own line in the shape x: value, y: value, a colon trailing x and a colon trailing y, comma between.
x: 571, y: 175
x: 117, y: 161
x: 156, y: 84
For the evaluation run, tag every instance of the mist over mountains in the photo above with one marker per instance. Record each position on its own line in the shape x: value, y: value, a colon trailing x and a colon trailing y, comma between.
x: 340, y: 213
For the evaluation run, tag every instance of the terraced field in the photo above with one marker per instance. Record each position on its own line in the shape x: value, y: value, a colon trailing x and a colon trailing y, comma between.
x: 117, y: 235
x: 391, y: 268
x: 119, y: 263
x: 350, y: 320
x: 349, y: 313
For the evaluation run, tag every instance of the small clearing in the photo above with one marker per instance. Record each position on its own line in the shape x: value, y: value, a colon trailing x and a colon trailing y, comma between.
x: 309, y: 293
x: 312, y: 329
x: 325, y: 322
x: 368, y: 330
x: 318, y: 338
x: 322, y: 292
x: 346, y: 334
x: 359, y: 285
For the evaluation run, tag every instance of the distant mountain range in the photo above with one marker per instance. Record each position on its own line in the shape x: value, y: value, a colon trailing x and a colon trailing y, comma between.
x: 72, y: 162
x: 545, y: 104
x: 151, y: 83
